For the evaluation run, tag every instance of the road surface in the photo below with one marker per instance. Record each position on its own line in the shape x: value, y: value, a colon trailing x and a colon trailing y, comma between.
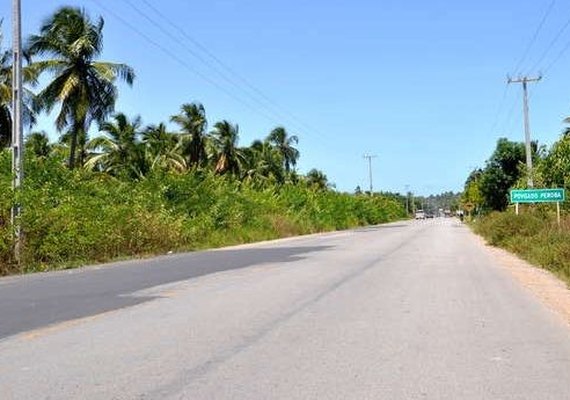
x: 411, y: 310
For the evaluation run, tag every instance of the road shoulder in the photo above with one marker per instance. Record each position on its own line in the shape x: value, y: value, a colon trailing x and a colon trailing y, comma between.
x: 543, y: 284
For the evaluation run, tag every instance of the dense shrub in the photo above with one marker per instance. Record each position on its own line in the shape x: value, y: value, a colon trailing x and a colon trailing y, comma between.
x: 77, y: 217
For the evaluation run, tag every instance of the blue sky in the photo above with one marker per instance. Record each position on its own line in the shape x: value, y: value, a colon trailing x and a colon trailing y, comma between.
x: 422, y: 85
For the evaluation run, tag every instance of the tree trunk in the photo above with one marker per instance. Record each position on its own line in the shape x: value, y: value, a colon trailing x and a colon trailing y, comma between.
x: 76, y: 132
x: 72, y: 148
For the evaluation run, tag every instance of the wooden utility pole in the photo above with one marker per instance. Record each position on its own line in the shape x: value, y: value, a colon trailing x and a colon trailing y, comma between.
x: 17, y: 130
x: 525, y: 80
x: 370, y: 157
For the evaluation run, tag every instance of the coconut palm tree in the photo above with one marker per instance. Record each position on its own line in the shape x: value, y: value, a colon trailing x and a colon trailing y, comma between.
x: 30, y: 77
x: 228, y: 157
x: 83, y: 88
x: 263, y: 162
x: 162, y: 148
x: 119, y: 151
x: 317, y: 179
x: 38, y: 144
x: 193, y: 125
x: 280, y: 138
x: 5, y: 97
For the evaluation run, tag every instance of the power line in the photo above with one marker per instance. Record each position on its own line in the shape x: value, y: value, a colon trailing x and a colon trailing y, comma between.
x: 520, y: 62
x: 550, y: 45
x: 223, y: 65
x: 557, y: 58
x: 509, y: 121
x: 254, y: 94
x: 182, y: 62
x: 323, y: 141
x: 534, y: 37
x: 523, y: 58
x: 499, y: 109
x: 180, y: 42
x: 201, y: 47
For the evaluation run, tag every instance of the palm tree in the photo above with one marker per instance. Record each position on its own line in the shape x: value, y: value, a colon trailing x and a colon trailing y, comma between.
x: 193, y: 123
x: 83, y: 88
x: 29, y: 76
x: 38, y: 144
x: 317, y: 179
x: 120, y: 151
x: 566, y: 130
x: 161, y: 148
x: 284, y: 143
x: 5, y: 98
x: 263, y: 162
x: 224, y: 140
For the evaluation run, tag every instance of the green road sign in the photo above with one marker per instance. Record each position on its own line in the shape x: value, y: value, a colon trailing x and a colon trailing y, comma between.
x: 537, y: 195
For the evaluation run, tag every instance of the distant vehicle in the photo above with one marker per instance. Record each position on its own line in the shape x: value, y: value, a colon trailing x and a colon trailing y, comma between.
x: 420, y: 214
x: 429, y: 215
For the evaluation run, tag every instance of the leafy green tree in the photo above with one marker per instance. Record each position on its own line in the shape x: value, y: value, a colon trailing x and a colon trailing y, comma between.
x: 194, y: 126
x: 472, y: 190
x: 84, y: 88
x: 501, y: 172
x: 284, y: 143
x: 555, y: 167
x: 120, y: 152
x: 228, y: 157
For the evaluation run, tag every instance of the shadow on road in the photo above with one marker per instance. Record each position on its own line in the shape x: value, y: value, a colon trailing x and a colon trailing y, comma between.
x: 379, y: 227
x: 31, y: 302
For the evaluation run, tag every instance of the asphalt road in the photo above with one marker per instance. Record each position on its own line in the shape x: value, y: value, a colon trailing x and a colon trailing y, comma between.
x: 416, y: 310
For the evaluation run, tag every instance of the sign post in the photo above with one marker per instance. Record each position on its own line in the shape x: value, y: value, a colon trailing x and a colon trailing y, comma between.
x: 538, y: 196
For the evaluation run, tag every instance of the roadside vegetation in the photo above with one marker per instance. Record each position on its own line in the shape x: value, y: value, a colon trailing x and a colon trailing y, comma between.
x: 112, y: 187
x: 534, y: 234
x: 79, y: 216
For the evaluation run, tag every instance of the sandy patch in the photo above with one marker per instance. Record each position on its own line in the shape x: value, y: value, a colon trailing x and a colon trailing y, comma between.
x: 541, y: 283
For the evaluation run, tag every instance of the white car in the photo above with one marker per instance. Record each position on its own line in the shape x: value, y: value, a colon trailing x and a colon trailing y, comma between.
x: 420, y: 214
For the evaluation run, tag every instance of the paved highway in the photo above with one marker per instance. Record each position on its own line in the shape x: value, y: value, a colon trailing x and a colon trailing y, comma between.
x: 414, y: 310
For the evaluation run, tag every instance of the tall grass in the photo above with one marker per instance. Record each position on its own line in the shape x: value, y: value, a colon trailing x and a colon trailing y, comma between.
x: 77, y: 217
x: 534, y: 235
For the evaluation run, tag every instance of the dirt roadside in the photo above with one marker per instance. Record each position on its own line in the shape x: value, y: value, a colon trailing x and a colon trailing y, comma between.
x: 551, y: 291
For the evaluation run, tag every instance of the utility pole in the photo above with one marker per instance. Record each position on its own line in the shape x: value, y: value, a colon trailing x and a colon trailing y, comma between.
x: 17, y: 131
x: 407, y: 187
x: 369, y: 157
x: 525, y: 80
